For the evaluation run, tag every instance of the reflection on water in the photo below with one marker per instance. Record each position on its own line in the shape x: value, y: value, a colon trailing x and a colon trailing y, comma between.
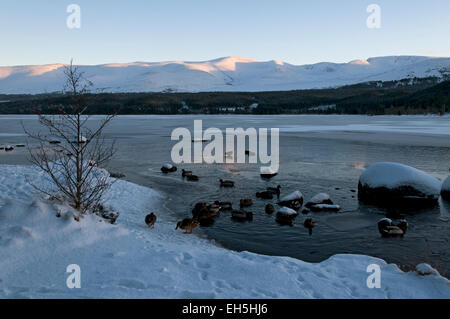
x: 310, y: 162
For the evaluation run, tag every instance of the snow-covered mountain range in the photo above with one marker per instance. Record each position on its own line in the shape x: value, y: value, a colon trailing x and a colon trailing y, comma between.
x: 224, y: 74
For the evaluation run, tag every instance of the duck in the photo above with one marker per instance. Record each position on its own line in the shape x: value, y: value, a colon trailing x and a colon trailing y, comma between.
x: 168, y: 168
x: 245, y: 202
x: 185, y: 173
x: 387, y: 228
x: 192, y: 178
x: 224, y: 205
x: 213, y: 209
x: 242, y: 215
x: 226, y: 183
x: 270, y: 209
x: 150, y: 220
x: 187, y: 224
x: 264, y: 195
x: 203, y: 212
x: 309, y: 223
x: 275, y: 190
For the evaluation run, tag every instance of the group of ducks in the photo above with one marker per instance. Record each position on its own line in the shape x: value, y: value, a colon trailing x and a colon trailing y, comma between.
x: 203, y: 213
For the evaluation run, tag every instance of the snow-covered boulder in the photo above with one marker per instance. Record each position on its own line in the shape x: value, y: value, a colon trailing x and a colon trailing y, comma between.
x: 325, y: 207
x: 445, y: 191
x: 167, y: 168
x: 426, y: 270
x: 293, y: 200
x: 394, y: 184
x: 321, y: 198
x: 267, y: 172
x: 286, y: 215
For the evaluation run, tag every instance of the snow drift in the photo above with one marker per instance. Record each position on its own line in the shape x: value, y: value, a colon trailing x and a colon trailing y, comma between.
x: 128, y: 260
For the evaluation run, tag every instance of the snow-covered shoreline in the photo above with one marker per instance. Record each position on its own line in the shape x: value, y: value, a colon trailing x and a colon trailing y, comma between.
x: 128, y: 260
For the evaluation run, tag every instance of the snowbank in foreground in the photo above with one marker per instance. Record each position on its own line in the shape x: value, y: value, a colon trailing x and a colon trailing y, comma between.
x: 129, y: 260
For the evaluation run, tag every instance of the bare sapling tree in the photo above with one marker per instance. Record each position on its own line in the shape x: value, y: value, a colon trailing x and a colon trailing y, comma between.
x: 72, y: 148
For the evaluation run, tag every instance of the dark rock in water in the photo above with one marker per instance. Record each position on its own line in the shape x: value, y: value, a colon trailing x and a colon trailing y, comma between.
x: 445, y: 190
x: 242, y: 215
x: 270, y: 209
x: 398, y: 185
x: 55, y: 142
x: 293, y: 200
x: 9, y: 148
x: 20, y: 145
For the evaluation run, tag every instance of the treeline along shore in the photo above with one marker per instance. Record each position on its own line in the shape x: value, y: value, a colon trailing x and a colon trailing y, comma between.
x: 409, y: 96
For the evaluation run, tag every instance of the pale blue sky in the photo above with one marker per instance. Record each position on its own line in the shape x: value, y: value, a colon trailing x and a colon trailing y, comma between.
x: 295, y: 31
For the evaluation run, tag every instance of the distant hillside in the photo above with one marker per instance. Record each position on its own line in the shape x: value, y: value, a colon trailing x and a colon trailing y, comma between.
x: 393, y: 97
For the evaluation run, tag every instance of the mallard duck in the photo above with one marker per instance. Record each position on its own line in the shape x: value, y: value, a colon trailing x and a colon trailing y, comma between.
x: 214, y: 209
x: 245, y: 202
x: 150, y: 220
x: 387, y: 228
x: 269, y: 209
x: 185, y: 173
x: 309, y: 223
x: 264, y: 195
x: 224, y: 205
x: 168, y: 168
x: 226, y: 183
x: 192, y: 178
x: 242, y: 215
x: 187, y: 224
x: 203, y: 212
x: 275, y: 190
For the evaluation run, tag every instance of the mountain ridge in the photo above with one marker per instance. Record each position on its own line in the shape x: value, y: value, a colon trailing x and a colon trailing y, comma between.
x: 223, y: 74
